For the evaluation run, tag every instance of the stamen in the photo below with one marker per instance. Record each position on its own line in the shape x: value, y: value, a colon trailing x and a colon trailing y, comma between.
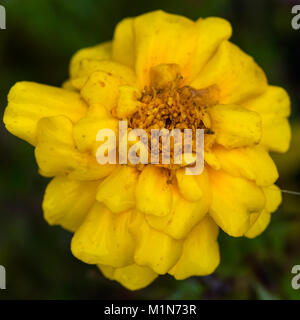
x: 169, y: 104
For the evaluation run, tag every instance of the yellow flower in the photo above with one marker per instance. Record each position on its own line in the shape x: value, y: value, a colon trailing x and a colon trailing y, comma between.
x: 138, y: 222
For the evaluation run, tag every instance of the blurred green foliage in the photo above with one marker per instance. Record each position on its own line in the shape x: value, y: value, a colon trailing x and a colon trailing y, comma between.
x: 40, y: 38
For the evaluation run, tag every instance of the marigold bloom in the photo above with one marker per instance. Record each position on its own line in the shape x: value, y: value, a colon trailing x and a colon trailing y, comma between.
x: 138, y: 222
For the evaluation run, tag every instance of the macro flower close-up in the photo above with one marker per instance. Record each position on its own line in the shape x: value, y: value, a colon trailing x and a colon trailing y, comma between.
x: 160, y: 70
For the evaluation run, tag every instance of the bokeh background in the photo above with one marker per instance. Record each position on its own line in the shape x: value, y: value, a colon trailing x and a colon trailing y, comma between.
x: 40, y: 38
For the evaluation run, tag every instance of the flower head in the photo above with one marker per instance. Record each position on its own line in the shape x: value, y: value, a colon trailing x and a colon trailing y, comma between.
x: 160, y: 71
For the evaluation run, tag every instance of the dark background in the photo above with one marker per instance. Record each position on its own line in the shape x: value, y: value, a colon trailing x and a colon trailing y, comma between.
x: 40, y: 38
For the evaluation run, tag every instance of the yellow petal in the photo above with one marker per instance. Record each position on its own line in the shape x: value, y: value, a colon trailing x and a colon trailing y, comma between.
x: 161, y: 75
x: 123, y: 43
x: 87, y: 67
x: 107, y: 271
x: 183, y: 217
x: 128, y: 101
x: 193, y: 187
x: 274, y: 106
x: 152, y: 39
x: 66, y: 202
x: 276, y: 133
x: 233, y: 200
x: 28, y: 102
x: 252, y: 163
x: 212, y: 32
x: 117, y: 191
x: 200, y: 254
x: 56, y: 153
x: 153, y: 193
x: 163, y: 38
x: 234, y: 126
x: 101, y: 88
x: 85, y: 131
x: 103, y: 238
x: 274, y: 100
x: 132, y: 277
x: 290, y: 163
x: 99, y: 52
x: 273, y: 197
x: 67, y: 85
x: 235, y: 73
x: 261, y: 221
x: 153, y: 248
x: 212, y: 160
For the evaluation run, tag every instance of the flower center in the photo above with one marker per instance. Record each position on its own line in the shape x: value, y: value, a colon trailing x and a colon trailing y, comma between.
x: 168, y: 103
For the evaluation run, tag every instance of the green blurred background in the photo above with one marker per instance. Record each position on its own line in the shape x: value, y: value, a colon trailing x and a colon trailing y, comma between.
x: 40, y: 38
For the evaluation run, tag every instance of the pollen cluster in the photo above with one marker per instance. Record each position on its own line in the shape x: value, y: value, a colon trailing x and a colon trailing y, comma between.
x: 168, y: 103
